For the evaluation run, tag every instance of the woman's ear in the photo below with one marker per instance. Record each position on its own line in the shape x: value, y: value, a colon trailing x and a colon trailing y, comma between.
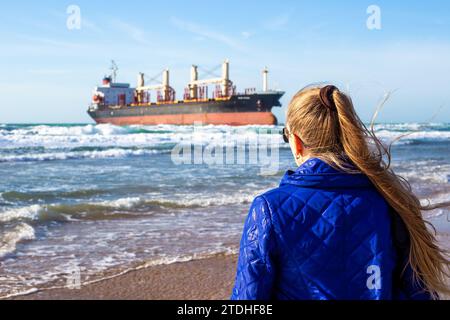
x: 296, y: 146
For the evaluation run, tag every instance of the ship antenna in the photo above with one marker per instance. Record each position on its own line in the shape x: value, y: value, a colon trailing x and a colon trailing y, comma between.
x: 114, y: 68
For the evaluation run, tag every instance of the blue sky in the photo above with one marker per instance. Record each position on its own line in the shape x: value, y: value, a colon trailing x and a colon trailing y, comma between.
x: 47, y: 72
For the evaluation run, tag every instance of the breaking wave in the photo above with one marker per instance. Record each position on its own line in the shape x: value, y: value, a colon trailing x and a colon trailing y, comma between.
x: 67, y: 142
x: 101, y: 154
x: 117, y: 209
x: 10, y: 238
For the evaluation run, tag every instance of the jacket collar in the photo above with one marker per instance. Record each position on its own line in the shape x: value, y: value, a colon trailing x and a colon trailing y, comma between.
x: 317, y: 173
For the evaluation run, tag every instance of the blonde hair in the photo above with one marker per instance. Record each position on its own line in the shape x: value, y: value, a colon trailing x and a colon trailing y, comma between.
x: 338, y: 136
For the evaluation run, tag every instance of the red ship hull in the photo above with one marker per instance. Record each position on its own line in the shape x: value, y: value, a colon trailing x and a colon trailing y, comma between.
x: 225, y: 118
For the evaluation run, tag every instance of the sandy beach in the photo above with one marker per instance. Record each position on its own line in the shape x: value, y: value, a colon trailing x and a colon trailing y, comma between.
x: 206, y: 279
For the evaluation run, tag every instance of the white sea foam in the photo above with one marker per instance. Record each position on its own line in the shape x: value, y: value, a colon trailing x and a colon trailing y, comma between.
x: 123, y: 203
x: 411, y: 126
x: 101, y: 154
x: 398, y: 126
x: 188, y: 200
x: 436, y: 199
x: 44, y: 130
x: 59, y: 141
x: 52, y: 137
x: 19, y: 293
x: 105, y: 264
x: 11, y: 238
x: 411, y: 135
x: 217, y: 200
x: 28, y: 213
x: 426, y: 171
x: 190, y: 257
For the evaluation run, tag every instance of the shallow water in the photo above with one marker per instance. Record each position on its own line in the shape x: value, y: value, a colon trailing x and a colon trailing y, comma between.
x: 97, y: 198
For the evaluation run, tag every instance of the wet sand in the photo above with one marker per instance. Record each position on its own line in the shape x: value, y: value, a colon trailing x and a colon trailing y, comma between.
x: 207, y: 279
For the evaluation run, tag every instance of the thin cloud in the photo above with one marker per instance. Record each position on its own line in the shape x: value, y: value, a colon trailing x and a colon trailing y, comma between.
x: 89, y: 25
x: 246, y: 34
x: 205, y: 32
x: 135, y: 33
x: 278, y: 22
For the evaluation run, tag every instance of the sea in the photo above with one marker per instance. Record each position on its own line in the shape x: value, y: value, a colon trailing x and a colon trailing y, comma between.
x: 82, y: 202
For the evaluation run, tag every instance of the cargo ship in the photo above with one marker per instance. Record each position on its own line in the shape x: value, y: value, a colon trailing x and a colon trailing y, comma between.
x: 120, y: 104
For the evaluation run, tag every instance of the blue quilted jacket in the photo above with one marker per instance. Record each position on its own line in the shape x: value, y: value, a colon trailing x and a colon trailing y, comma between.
x: 323, y: 234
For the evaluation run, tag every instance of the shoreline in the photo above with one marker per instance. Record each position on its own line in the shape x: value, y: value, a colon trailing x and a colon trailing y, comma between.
x: 210, y: 278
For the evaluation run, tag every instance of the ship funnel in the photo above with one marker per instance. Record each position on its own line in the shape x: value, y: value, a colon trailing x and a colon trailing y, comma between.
x: 265, y: 80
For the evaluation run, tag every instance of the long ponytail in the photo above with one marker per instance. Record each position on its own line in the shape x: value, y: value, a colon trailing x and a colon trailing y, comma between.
x: 339, y: 135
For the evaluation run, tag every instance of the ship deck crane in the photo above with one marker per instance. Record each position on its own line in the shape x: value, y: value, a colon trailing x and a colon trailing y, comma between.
x: 168, y: 91
x: 224, y: 81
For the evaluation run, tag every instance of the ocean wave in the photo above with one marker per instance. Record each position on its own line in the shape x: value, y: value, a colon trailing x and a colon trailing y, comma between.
x: 16, y: 196
x: 69, y: 130
x: 188, y: 201
x: 45, y: 143
x: 413, y: 135
x: 53, y: 137
x: 123, y: 208
x: 182, y: 201
x: 66, y: 213
x: 421, y: 172
x: 436, y: 198
x: 10, y: 239
x: 24, y: 213
x: 72, y: 155
x: 113, y: 130
x: 56, y: 193
x: 412, y: 126
x: 190, y: 257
